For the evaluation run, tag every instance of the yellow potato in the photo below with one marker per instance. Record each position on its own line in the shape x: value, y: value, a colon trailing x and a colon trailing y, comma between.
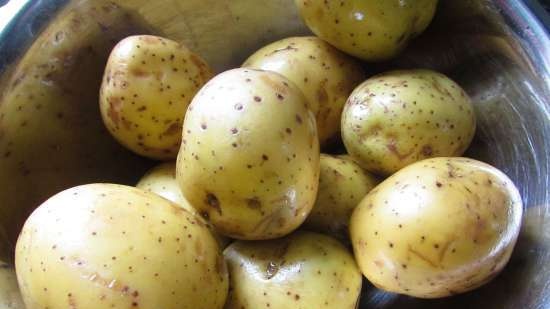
x: 148, y: 84
x: 10, y: 297
x: 342, y: 185
x: 400, y: 117
x: 369, y: 29
x: 161, y: 180
x: 303, y: 270
x: 436, y: 228
x: 325, y: 75
x: 249, y: 160
x: 112, y: 246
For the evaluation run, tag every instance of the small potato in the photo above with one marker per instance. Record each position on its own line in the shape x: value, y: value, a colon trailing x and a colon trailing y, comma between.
x: 112, y: 246
x: 161, y: 180
x: 369, y: 29
x: 400, y: 117
x: 342, y: 185
x: 147, y: 86
x: 325, y: 75
x: 436, y: 228
x: 249, y: 160
x: 10, y: 297
x: 303, y: 270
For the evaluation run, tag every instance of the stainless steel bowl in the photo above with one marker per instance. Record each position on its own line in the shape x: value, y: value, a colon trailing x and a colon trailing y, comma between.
x: 499, y: 51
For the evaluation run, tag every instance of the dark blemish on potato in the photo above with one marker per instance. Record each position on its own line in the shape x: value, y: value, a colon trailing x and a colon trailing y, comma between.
x: 271, y: 271
x: 204, y: 126
x: 265, y: 157
x: 427, y: 150
x: 212, y: 201
x: 299, y: 119
x: 254, y: 203
x: 257, y: 99
x: 438, y: 184
x: 234, y: 145
x: 234, y: 131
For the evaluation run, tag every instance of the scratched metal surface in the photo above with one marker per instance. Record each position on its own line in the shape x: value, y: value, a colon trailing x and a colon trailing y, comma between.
x: 495, y: 49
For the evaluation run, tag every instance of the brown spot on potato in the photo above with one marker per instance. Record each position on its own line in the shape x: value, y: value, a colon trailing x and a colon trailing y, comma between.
x: 212, y: 201
x: 254, y: 203
x: 174, y: 128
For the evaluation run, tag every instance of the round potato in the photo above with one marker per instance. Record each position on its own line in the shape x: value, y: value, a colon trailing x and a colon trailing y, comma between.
x: 249, y: 160
x: 438, y: 227
x: 400, y: 117
x: 325, y: 75
x: 10, y: 297
x: 112, y: 246
x: 161, y: 180
x: 342, y: 185
x: 369, y: 29
x: 147, y: 86
x: 303, y: 270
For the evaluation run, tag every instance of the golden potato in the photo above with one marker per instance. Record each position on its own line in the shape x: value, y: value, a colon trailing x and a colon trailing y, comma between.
x: 249, y: 159
x: 325, y: 75
x: 342, y: 185
x: 400, y: 117
x: 148, y: 84
x: 436, y: 228
x: 112, y: 246
x: 369, y: 29
x: 303, y: 270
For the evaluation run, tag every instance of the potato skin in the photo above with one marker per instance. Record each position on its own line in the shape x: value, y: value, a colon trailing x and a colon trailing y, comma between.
x: 342, y: 185
x: 249, y: 159
x: 436, y: 228
x: 148, y: 83
x: 325, y: 75
x: 111, y: 245
x: 161, y: 180
x: 400, y: 117
x: 10, y: 297
x: 303, y: 270
x: 373, y: 30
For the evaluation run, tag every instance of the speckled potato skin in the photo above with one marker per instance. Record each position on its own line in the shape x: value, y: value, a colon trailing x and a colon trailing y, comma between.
x: 373, y: 30
x: 148, y: 83
x: 249, y: 159
x: 437, y: 228
x: 400, y: 117
x: 161, y: 180
x: 342, y: 185
x: 325, y: 75
x: 301, y: 271
x: 10, y: 297
x: 113, y: 246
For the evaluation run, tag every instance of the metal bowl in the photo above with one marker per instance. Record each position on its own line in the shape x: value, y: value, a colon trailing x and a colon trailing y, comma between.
x: 499, y: 51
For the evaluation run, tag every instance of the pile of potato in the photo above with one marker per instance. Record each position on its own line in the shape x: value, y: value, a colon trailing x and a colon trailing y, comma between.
x: 247, y: 212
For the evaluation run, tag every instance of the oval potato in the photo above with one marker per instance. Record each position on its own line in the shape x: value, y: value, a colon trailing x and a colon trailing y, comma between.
x: 303, y: 270
x: 147, y: 86
x: 104, y: 245
x: 325, y: 75
x: 373, y: 30
x: 342, y: 185
x: 400, y: 117
x: 436, y: 228
x: 249, y: 159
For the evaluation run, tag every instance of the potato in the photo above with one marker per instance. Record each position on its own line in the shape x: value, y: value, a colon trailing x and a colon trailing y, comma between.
x: 325, y: 75
x: 10, y: 297
x: 162, y: 180
x: 149, y: 81
x: 249, y: 159
x: 303, y: 270
x: 373, y: 30
x: 51, y: 133
x: 400, y: 117
x: 112, y: 246
x: 342, y: 185
x: 436, y: 228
